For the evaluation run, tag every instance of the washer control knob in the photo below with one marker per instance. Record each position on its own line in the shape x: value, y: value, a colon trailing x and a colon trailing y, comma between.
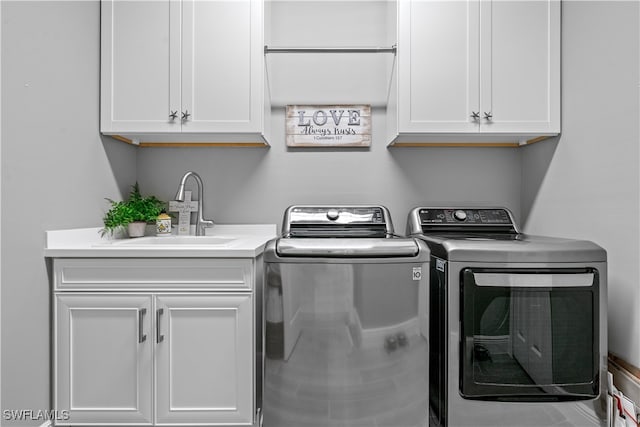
x: 460, y: 215
x: 333, y: 214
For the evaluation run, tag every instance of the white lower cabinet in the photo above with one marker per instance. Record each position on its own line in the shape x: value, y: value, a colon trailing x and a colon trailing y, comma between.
x: 152, y: 357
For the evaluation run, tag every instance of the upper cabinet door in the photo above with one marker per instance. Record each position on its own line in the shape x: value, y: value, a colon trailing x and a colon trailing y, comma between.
x: 520, y: 66
x: 136, y: 67
x: 438, y: 64
x: 221, y: 76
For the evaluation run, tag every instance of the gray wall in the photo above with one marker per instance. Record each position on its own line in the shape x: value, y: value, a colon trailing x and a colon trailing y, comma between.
x: 55, y: 172
x: 586, y: 184
x: 256, y: 185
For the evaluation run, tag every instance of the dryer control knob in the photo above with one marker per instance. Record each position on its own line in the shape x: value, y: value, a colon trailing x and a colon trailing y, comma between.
x: 460, y: 215
x: 333, y: 214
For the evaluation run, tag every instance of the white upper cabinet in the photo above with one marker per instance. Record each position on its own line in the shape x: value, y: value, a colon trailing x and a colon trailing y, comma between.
x: 476, y: 71
x: 183, y: 70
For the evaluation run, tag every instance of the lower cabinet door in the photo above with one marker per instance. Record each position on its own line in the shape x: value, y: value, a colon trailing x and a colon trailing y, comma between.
x: 103, y: 359
x: 204, y: 359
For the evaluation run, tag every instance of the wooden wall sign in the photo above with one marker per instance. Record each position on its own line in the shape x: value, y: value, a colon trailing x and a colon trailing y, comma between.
x: 328, y: 125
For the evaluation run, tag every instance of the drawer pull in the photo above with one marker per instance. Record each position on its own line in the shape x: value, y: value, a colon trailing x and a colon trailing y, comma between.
x: 159, y: 336
x: 141, y: 337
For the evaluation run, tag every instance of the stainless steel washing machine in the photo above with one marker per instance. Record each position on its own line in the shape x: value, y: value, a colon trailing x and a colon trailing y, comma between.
x: 517, y: 322
x: 346, y: 321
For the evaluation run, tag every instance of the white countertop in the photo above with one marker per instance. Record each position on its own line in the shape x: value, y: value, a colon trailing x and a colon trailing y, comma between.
x: 234, y: 241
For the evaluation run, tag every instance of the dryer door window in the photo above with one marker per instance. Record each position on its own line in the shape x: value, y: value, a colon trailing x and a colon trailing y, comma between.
x: 529, y: 335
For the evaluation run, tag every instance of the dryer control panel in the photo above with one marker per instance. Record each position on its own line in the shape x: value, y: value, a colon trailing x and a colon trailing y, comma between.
x: 452, y: 219
x: 468, y: 216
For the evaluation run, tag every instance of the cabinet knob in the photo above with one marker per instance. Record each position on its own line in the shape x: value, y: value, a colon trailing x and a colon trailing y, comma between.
x: 488, y: 116
x: 475, y: 115
x: 185, y: 115
x: 173, y: 115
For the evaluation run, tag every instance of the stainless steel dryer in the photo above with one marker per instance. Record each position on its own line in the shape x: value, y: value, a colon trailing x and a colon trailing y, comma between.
x: 346, y: 321
x: 518, y: 322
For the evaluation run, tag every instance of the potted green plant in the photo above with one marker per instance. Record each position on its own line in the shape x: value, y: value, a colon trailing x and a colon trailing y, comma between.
x: 133, y: 213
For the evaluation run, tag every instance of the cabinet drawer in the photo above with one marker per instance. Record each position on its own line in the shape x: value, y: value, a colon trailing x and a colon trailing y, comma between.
x: 153, y: 273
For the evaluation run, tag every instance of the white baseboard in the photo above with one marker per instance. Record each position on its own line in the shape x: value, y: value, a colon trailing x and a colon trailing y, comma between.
x: 627, y: 383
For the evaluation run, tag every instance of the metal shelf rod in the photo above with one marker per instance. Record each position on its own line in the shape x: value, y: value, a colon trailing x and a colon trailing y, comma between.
x: 391, y: 49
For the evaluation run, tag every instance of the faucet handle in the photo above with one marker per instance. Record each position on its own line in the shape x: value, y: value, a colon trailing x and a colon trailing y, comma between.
x: 201, y: 225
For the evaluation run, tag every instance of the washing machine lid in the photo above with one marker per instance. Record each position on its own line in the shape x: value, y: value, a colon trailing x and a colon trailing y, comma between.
x: 347, y: 247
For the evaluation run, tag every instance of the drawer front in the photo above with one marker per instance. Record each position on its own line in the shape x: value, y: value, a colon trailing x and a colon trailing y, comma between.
x: 153, y: 273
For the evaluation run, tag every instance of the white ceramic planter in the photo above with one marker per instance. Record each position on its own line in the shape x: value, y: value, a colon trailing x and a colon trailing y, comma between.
x: 136, y: 229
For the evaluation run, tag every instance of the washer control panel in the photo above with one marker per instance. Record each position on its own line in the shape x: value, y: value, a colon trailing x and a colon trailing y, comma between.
x: 461, y: 216
x: 337, y: 221
x: 339, y: 214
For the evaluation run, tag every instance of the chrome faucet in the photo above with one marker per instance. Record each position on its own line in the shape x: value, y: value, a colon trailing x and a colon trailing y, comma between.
x: 201, y: 223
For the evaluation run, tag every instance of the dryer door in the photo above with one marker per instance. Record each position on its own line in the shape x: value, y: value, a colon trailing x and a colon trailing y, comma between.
x: 529, y: 335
